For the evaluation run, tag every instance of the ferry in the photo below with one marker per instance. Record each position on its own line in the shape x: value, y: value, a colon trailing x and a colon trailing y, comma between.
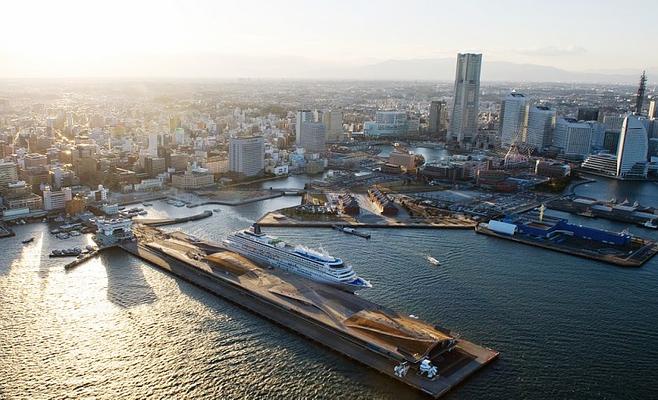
x: 311, y: 264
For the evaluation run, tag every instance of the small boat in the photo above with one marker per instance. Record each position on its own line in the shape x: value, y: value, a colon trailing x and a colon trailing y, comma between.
x: 433, y: 260
x: 147, y: 204
x: 216, y: 210
x: 651, y: 224
x: 351, y: 231
x: 26, y: 241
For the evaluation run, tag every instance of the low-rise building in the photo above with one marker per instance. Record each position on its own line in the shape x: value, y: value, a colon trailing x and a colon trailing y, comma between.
x: 192, y: 180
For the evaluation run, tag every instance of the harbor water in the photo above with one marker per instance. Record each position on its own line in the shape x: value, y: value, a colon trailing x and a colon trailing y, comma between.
x: 116, y: 327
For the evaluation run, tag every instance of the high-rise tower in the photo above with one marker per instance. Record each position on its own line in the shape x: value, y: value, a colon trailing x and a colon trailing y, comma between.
x: 463, y: 124
x: 513, y: 118
x: 639, y: 97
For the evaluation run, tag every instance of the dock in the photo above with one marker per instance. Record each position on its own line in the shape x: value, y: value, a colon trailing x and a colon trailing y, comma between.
x: 627, y: 213
x: 373, y: 335
x: 173, y: 221
x: 5, y: 230
x: 86, y: 257
x: 640, y: 253
x: 276, y: 219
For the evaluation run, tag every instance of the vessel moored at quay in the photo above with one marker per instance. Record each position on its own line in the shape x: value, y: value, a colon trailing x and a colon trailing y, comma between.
x: 253, y: 244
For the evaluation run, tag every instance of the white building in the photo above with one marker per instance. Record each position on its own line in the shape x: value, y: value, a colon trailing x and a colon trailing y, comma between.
x: 154, y: 141
x: 179, y: 136
x: 56, y: 200
x: 513, y: 119
x: 573, y: 137
x: 541, y: 123
x: 113, y: 230
x: 632, y: 149
x: 463, y: 124
x: 387, y: 123
x: 246, y: 155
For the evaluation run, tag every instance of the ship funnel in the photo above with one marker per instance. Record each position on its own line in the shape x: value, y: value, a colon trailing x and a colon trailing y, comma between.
x: 256, y: 229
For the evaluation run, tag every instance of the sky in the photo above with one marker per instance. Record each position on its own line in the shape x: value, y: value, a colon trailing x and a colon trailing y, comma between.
x: 75, y: 38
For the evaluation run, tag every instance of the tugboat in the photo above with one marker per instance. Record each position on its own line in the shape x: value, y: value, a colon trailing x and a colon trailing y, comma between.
x: 26, y: 241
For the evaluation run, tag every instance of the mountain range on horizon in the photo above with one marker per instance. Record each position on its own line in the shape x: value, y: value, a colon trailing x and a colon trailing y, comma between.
x: 225, y: 66
x: 444, y: 69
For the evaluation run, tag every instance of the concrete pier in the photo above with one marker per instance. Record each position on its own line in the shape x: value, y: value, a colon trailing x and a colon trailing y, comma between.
x: 373, y: 335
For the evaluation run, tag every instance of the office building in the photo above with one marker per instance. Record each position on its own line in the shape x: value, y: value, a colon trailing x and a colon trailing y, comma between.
x: 192, y: 180
x: 633, y: 149
x: 8, y: 174
x: 246, y: 155
x: 653, y: 108
x: 387, y: 124
x: 541, y: 123
x: 463, y: 123
x: 513, y: 119
x: 303, y: 116
x: 588, y: 114
x: 56, y: 200
x: 333, y: 124
x: 155, y: 140
x: 154, y: 166
x: 573, y: 138
x: 438, y: 118
x: 312, y: 137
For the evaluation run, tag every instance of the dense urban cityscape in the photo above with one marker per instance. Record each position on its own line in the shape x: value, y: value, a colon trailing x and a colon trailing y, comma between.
x: 287, y: 237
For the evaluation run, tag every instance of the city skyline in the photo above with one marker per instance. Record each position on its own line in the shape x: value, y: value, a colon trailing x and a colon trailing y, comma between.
x: 299, y: 40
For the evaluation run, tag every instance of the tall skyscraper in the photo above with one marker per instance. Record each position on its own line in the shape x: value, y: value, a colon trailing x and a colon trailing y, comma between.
x: 632, y: 149
x: 572, y: 137
x: 653, y: 108
x: 246, y: 155
x: 333, y: 124
x: 463, y: 123
x: 303, y: 116
x: 541, y: 122
x: 438, y: 119
x: 513, y: 119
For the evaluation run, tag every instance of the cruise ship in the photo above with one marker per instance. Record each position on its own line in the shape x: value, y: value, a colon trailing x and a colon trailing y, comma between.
x: 311, y: 264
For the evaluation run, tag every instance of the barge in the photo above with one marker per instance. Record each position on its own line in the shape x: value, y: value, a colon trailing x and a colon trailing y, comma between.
x: 350, y: 231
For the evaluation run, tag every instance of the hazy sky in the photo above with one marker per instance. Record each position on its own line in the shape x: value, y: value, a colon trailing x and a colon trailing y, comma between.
x: 167, y: 38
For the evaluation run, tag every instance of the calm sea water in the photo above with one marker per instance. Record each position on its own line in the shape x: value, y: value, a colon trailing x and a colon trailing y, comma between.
x: 116, y: 327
